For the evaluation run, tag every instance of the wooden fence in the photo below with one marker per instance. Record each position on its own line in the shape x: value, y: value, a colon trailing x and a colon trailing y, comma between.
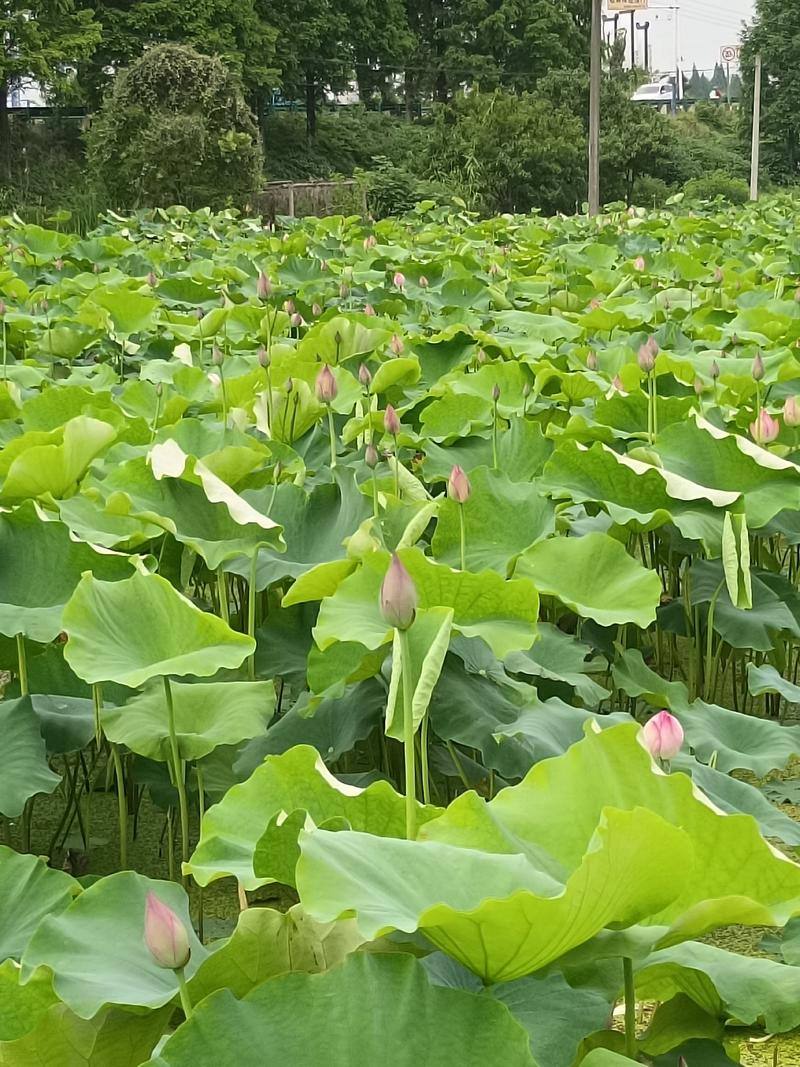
x: 346, y: 197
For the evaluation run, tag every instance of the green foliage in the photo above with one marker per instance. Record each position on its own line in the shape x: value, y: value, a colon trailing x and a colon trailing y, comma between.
x: 175, y: 129
x: 718, y: 184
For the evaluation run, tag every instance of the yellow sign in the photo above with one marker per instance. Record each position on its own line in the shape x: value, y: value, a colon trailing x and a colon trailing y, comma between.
x: 627, y: 5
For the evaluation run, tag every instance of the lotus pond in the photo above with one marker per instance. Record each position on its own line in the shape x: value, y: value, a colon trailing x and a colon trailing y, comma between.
x: 400, y: 636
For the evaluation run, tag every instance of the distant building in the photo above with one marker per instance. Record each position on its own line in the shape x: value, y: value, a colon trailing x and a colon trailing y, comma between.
x: 25, y: 92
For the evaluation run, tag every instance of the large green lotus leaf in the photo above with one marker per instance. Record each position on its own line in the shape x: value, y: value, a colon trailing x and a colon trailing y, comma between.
x: 766, y: 679
x: 24, y: 770
x: 297, y: 781
x: 341, y: 338
x: 501, y: 915
x: 709, y: 456
x: 22, y: 1006
x: 503, y: 613
x: 67, y: 723
x: 339, y: 1009
x: 559, y: 657
x: 54, y: 469
x: 634, y: 493
x: 757, y: 627
x: 29, y: 890
x: 595, y: 577
x: 548, y: 328
x: 522, y: 451
x: 88, y: 518
x: 96, y: 949
x: 129, y: 311
x: 142, y: 628
x: 51, y: 408
x: 745, y: 988
x: 207, y: 714
x: 40, y: 566
x: 734, y: 741
x: 426, y: 640
x: 315, y: 525
x: 501, y: 520
x: 267, y: 943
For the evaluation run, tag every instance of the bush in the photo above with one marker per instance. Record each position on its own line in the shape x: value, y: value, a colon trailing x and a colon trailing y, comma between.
x: 175, y: 129
x: 718, y: 185
x: 394, y: 190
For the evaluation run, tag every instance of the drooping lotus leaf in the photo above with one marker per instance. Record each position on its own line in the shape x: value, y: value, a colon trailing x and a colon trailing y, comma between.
x: 595, y: 577
x: 297, y: 781
x: 766, y: 679
x: 22, y: 1006
x: 53, y: 464
x: 510, y: 885
x: 142, y: 628
x: 24, y: 770
x: 339, y: 1009
x: 96, y: 951
x: 207, y: 714
x: 40, y: 566
x: 29, y: 890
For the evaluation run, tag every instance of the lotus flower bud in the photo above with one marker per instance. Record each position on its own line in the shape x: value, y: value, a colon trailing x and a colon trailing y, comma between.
x: 758, y: 368
x: 526, y: 390
x: 165, y: 935
x: 289, y: 386
x: 369, y: 309
x: 217, y: 356
x: 495, y: 392
x: 316, y: 310
x: 371, y: 457
x: 481, y: 357
x: 364, y: 375
x: 391, y: 422
x: 719, y: 277
x: 343, y: 290
x: 264, y: 357
x: 198, y: 313
x: 263, y: 286
x: 617, y: 386
x: 663, y: 736
x: 493, y: 270
x: 639, y: 264
x: 152, y: 280
x: 646, y: 359
x: 715, y: 371
x: 289, y: 307
x: 3, y: 309
x: 698, y: 386
x: 594, y: 303
x: 458, y: 486
x: 591, y: 361
x: 59, y: 264
x: 398, y: 595
x: 791, y: 412
x: 399, y: 280
x: 159, y: 389
x: 296, y: 320
x: 423, y: 282
x: 396, y: 344
x: 325, y: 386
x: 765, y: 429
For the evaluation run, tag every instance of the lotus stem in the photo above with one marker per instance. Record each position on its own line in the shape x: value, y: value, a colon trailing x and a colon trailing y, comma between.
x: 423, y: 753
x: 709, y: 665
x: 222, y: 595
x: 178, y: 773
x: 252, y: 594
x: 183, y: 990
x: 332, y: 435
x: 22, y: 666
x: 396, y: 469
x: 122, y: 808
x: 374, y: 495
x: 408, y: 738
x: 494, y: 435
x: 630, y: 1008
x: 463, y: 536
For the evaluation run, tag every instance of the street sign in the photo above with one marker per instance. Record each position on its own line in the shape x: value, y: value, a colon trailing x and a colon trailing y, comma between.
x: 730, y: 53
x: 627, y: 5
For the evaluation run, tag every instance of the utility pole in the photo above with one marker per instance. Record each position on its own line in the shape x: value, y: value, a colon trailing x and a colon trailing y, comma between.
x: 633, y: 40
x: 645, y: 26
x: 594, y: 106
x: 755, y: 157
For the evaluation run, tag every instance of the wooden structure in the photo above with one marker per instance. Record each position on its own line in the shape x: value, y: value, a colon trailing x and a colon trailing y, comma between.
x: 346, y: 196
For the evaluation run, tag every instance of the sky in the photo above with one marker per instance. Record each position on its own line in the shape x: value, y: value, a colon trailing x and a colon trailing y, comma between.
x: 704, y: 27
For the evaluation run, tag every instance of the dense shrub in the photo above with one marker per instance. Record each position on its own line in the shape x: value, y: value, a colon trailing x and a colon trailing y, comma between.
x: 716, y: 185
x: 175, y: 129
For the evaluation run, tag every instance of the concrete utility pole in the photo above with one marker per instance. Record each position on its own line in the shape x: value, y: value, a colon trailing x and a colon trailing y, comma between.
x: 756, y: 153
x: 645, y: 27
x: 594, y: 107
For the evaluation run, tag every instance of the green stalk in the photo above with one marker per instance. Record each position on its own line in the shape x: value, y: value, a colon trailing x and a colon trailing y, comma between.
x: 655, y: 407
x: 332, y: 435
x: 5, y: 352
x: 122, y: 808
x: 177, y: 773
x: 156, y: 417
x: 183, y: 990
x: 224, y: 400
x: 423, y: 752
x: 630, y: 1009
x: 252, y: 594
x: 396, y: 469
x: 709, y: 666
x: 22, y: 663
x: 222, y: 593
x: 408, y: 738
x: 494, y: 435
x: 463, y: 536
x: 374, y: 494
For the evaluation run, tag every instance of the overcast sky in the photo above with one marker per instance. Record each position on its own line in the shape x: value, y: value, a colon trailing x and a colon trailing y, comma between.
x: 704, y: 27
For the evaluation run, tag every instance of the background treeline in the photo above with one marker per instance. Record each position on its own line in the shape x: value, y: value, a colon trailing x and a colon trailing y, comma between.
x: 161, y: 101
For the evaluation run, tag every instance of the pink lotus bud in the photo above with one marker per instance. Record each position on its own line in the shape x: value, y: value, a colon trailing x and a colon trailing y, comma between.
x: 296, y: 320
x: 316, y: 310
x: 617, y: 386
x: 59, y: 264
x: 646, y: 359
x: 370, y: 242
x: 698, y: 386
x: 423, y: 282
x: 364, y: 375
x: 3, y: 309
x: 369, y: 309
x: 263, y: 286
x: 391, y: 422
x: 495, y: 392
x: 791, y: 412
x: 343, y: 290
x: 165, y: 935
x: 758, y: 368
x: 765, y: 429
x: 458, y: 486
x: 289, y: 307
x: 591, y: 361
x: 663, y: 736
x: 217, y: 356
x: 719, y: 277
x: 399, y: 280
x: 481, y: 357
x: 152, y: 280
x: 264, y: 357
x: 371, y: 457
x: 396, y: 344
x: 493, y: 269
x: 398, y: 595
x: 325, y: 386
x: 594, y: 303
x: 715, y: 371
x: 639, y: 264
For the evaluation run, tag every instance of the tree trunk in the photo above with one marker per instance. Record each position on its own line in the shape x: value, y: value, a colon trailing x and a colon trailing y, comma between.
x: 311, y: 108
x: 5, y: 133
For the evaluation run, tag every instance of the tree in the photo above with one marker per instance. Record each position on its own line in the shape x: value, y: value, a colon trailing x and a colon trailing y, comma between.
x: 774, y: 33
x: 175, y: 129
x: 42, y: 39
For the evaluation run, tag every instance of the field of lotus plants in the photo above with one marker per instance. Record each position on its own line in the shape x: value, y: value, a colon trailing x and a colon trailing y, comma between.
x: 426, y: 593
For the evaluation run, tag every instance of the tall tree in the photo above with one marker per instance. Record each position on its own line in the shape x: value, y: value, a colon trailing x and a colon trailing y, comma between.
x: 42, y: 39
x: 775, y: 33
